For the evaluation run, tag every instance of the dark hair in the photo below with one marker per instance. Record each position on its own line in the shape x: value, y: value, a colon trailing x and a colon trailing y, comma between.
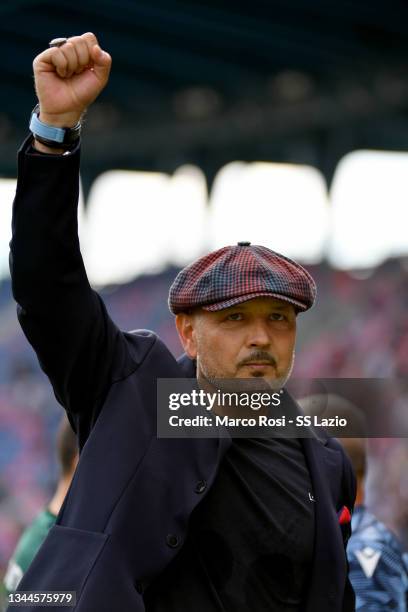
x: 67, y: 446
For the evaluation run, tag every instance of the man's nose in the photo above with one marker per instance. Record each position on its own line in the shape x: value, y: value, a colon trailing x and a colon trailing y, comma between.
x: 259, y: 335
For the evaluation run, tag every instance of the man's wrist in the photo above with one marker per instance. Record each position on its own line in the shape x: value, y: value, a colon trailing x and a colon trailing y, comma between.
x: 42, y: 148
x: 64, y: 120
x: 51, y: 136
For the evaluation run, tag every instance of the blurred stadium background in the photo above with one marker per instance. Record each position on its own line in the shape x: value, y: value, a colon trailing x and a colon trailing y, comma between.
x: 280, y: 122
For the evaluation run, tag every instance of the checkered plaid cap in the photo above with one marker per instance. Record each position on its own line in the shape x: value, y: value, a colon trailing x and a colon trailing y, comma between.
x: 238, y: 273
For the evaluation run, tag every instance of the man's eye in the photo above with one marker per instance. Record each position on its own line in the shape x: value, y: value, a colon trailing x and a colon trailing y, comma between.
x: 277, y: 316
x: 235, y: 316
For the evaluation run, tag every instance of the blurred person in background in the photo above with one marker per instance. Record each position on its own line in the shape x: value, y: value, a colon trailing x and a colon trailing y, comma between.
x: 34, y: 535
x: 378, y: 570
x: 209, y: 524
x: 378, y: 566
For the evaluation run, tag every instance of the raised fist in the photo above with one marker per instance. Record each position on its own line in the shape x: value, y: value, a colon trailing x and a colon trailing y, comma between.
x: 69, y: 78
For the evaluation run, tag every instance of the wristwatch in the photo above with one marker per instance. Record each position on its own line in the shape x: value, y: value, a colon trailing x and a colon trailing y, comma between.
x: 54, y: 137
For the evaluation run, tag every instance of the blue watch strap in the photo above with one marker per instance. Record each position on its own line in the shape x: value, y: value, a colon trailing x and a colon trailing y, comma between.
x: 54, y: 137
x: 38, y: 128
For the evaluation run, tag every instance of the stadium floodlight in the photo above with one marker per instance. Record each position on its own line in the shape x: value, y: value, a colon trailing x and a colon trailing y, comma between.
x: 282, y: 206
x: 369, y: 199
x: 7, y: 191
x: 140, y: 222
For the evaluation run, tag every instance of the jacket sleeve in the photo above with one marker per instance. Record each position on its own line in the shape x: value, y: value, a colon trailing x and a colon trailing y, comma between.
x: 62, y: 317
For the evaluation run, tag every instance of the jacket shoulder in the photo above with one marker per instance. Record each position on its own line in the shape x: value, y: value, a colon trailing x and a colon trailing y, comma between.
x: 143, y: 343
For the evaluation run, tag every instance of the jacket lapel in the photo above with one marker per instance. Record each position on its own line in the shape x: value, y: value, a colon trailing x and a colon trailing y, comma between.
x: 328, y: 573
x: 329, y: 568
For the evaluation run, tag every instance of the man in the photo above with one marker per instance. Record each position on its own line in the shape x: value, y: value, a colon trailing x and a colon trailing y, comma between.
x: 152, y: 523
x: 34, y: 535
x: 378, y: 571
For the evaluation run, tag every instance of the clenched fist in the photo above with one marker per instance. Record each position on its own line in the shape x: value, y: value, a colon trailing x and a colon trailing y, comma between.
x: 69, y: 78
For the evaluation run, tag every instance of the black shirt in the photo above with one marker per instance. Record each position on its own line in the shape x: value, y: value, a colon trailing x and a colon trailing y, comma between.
x: 250, y: 541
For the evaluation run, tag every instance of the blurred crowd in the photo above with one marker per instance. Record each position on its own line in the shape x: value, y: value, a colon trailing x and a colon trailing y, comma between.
x: 358, y: 329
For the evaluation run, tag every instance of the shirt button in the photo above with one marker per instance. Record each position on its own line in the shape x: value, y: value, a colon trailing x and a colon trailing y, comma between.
x: 200, y: 486
x: 172, y: 540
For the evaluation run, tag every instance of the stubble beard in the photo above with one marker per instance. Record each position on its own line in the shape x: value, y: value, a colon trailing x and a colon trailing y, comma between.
x: 252, y: 384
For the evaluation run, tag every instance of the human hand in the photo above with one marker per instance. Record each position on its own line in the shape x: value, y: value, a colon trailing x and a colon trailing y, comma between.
x: 69, y: 78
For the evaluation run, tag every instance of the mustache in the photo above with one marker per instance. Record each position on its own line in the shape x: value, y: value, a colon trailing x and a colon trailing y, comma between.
x: 257, y: 356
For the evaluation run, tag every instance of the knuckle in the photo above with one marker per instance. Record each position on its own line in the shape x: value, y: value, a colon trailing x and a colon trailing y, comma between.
x: 89, y: 36
x: 74, y: 44
x: 38, y: 58
x: 81, y: 48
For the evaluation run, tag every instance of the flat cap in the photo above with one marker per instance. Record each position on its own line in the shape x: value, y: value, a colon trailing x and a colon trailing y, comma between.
x: 238, y: 273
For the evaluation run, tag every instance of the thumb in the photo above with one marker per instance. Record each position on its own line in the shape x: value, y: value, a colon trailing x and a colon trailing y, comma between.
x: 101, y: 63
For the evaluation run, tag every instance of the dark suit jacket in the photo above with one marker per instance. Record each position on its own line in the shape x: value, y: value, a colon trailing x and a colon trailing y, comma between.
x: 131, y: 490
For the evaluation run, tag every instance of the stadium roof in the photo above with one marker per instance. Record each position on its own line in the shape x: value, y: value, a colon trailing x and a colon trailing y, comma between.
x: 210, y: 81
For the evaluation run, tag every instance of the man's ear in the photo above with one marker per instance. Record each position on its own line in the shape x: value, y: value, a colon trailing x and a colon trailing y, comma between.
x: 186, y: 327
